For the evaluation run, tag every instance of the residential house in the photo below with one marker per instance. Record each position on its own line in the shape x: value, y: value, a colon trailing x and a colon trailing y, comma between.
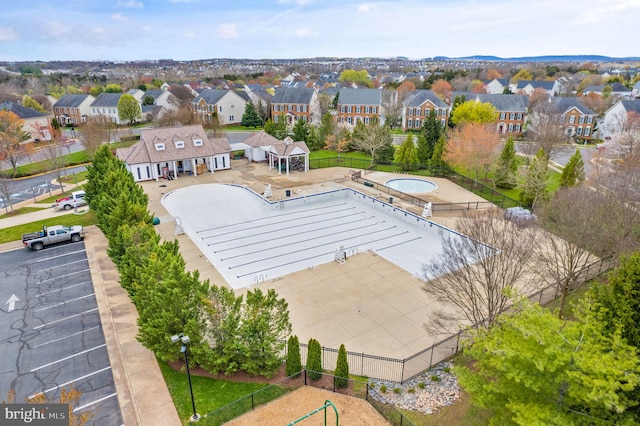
x: 136, y: 93
x: 417, y: 107
x: 106, y: 105
x: 619, y: 116
x: 35, y: 123
x: 168, y: 152
x: 260, y: 94
x: 163, y: 99
x: 527, y: 87
x: 617, y: 89
x: 359, y: 105
x: 295, y: 103
x: 496, y: 86
x: 635, y: 91
x: 511, y: 109
x: 73, y: 109
x: 229, y: 105
x: 578, y: 120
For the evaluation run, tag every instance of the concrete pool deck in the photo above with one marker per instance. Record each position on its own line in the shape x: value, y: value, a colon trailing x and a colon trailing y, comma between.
x: 368, y: 303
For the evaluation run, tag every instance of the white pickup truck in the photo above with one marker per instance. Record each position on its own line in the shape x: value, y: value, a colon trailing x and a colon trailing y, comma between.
x: 52, y: 235
x: 76, y: 199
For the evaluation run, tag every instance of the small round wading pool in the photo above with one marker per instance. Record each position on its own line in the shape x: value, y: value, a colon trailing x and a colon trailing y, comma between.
x: 411, y: 186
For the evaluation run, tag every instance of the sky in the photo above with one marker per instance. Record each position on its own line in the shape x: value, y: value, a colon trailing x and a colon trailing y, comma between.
x: 124, y: 30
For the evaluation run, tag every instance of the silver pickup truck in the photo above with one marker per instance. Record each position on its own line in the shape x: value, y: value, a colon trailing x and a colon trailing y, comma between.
x: 76, y: 199
x: 52, y: 235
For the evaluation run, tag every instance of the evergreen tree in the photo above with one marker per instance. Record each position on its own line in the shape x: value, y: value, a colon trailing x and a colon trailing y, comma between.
x: 294, y: 363
x: 314, y: 141
x: 300, y: 130
x: 407, y: 154
x: 424, y: 153
x: 506, y: 173
x: 341, y: 379
x: 277, y: 129
x: 573, y: 172
x: 437, y: 162
x: 327, y: 128
x: 250, y: 118
x: 314, y: 359
x: 535, y: 186
x: 386, y: 153
x: 432, y: 130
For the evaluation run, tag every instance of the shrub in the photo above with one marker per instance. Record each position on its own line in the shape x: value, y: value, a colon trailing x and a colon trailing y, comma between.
x: 314, y: 359
x: 342, y: 369
x: 422, y: 385
x: 411, y: 390
x: 435, y: 378
x: 446, y: 370
x: 294, y: 363
x: 397, y: 391
x: 383, y: 388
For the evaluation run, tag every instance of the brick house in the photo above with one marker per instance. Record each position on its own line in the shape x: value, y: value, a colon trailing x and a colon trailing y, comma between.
x: 295, y: 103
x: 417, y: 107
x: 359, y: 105
x: 73, y: 109
x: 578, y: 120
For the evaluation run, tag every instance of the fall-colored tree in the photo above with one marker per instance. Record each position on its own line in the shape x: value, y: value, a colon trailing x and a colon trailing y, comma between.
x: 538, y: 96
x: 473, y: 146
x: 477, y: 86
x: 405, y: 89
x: 442, y: 88
x: 113, y: 88
x: 361, y: 77
x: 474, y: 112
x: 594, y: 102
x: 29, y: 102
x: 523, y: 74
x: 493, y: 73
x: 12, y: 138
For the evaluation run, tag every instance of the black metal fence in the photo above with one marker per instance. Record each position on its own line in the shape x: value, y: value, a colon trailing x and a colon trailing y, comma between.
x: 491, y: 195
x: 326, y: 381
x: 403, y: 370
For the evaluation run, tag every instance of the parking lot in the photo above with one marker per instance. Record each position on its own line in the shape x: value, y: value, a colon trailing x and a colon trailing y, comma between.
x: 51, y: 337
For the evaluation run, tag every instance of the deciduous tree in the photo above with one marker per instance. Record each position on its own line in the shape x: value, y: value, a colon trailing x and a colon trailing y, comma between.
x: 12, y: 136
x: 97, y: 130
x: 533, y: 368
x: 29, y: 102
x: 478, y: 273
x: 113, y: 88
x: 442, y: 88
x: 361, y: 77
x: 547, y: 131
x: 129, y: 108
x: 474, y: 112
x: 371, y: 138
x: 473, y: 146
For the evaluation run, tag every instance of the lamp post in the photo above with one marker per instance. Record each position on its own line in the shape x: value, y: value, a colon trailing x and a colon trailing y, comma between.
x: 184, y: 340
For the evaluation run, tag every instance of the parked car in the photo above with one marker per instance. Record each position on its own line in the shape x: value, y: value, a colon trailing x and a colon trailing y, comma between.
x: 52, y: 235
x: 76, y: 199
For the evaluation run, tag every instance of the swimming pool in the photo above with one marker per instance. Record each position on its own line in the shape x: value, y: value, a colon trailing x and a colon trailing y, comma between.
x: 411, y: 186
x: 249, y: 239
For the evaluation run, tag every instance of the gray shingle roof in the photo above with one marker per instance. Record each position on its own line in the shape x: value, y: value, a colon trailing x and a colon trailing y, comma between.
x: 419, y: 97
x: 293, y: 95
x: 153, y: 93
x: 563, y: 104
x: 360, y: 97
x: 107, y: 100
x: 71, y: 101
x: 210, y: 96
x: 21, y: 111
x: 630, y: 106
x: 546, y: 85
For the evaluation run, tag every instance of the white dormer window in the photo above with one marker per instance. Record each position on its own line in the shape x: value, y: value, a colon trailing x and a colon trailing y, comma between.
x: 160, y: 146
x: 197, y: 142
x: 179, y: 144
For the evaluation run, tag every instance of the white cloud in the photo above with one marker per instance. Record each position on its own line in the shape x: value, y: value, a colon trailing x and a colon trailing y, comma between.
x: 118, y: 17
x: 305, y: 32
x: 189, y: 34
x: 132, y: 4
x: 368, y: 7
x: 54, y: 29
x: 7, y: 33
x: 225, y: 31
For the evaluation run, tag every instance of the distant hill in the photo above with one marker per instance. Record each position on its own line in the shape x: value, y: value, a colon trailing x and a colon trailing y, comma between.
x: 546, y: 58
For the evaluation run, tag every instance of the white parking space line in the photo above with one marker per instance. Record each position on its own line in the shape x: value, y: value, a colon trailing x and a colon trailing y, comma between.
x: 61, y: 385
x: 61, y: 288
x: 44, y: 259
x: 59, y: 277
x: 82, y: 407
x: 65, y: 318
x: 65, y: 337
x: 65, y: 302
x: 68, y: 357
x: 63, y: 265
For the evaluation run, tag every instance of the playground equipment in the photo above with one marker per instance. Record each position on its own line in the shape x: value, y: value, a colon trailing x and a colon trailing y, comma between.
x: 326, y: 405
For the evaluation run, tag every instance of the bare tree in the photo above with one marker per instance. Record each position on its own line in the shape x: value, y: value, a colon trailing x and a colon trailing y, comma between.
x: 547, y: 130
x: 182, y: 95
x: 478, y: 273
x: 56, y: 161
x: 371, y: 137
x: 392, y: 107
x: 7, y: 186
x: 96, y: 131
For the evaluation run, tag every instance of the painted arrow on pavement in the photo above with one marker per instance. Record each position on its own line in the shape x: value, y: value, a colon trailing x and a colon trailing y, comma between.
x: 12, y: 302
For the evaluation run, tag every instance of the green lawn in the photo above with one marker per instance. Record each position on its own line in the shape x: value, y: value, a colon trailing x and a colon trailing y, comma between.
x: 19, y: 211
x: 15, y: 232
x: 212, y: 394
x: 38, y: 167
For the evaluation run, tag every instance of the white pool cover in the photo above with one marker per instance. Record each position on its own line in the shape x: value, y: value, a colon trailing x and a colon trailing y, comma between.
x: 250, y: 239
